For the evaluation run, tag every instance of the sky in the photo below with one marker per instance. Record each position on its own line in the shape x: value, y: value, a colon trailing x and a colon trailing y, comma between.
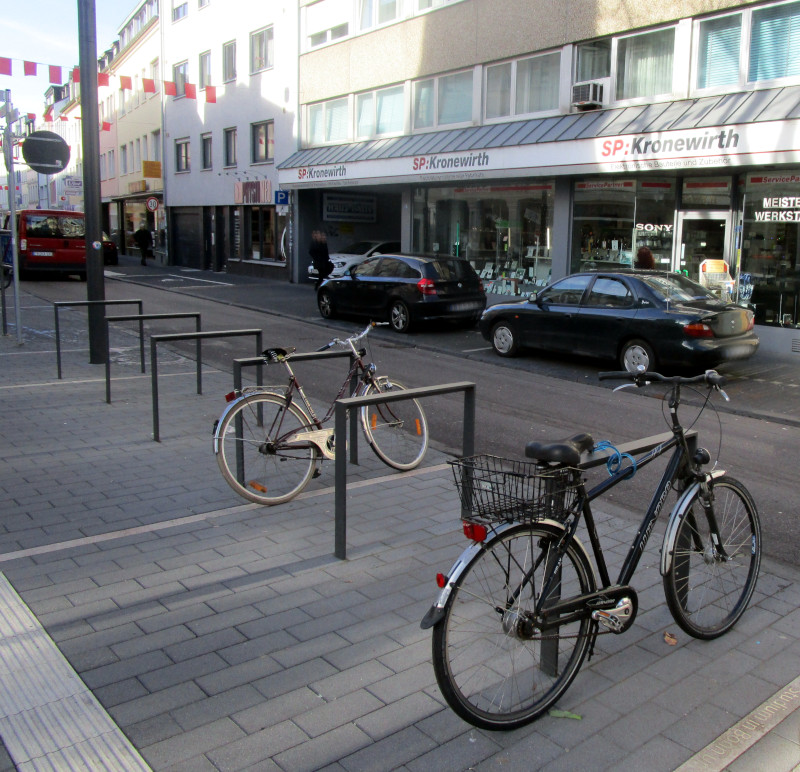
x: 46, y: 32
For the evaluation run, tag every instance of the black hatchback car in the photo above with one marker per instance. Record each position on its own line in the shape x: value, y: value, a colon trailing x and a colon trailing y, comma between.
x: 645, y: 318
x: 404, y: 290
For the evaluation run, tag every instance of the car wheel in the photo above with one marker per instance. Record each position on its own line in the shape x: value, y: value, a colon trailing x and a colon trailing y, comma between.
x: 504, y: 339
x: 325, y: 303
x: 399, y: 316
x: 636, y: 354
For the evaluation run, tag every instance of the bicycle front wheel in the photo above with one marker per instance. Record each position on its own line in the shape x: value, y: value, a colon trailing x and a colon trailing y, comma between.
x: 396, y: 431
x: 262, y: 452
x: 494, y: 668
x: 708, y: 586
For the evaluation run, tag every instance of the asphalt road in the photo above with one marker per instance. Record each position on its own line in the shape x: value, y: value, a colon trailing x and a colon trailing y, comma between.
x: 756, y: 436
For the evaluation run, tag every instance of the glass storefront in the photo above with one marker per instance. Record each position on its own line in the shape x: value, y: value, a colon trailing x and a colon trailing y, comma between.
x: 503, y: 230
x: 770, y: 247
x: 255, y: 234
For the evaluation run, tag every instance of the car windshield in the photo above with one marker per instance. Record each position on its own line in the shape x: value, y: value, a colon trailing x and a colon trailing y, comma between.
x: 359, y: 248
x: 675, y: 287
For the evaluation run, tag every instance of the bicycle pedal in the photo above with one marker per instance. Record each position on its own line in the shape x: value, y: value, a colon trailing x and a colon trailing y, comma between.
x: 317, y: 473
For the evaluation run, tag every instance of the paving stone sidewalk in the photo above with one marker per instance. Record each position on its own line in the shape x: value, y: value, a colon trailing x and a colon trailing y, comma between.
x: 220, y: 635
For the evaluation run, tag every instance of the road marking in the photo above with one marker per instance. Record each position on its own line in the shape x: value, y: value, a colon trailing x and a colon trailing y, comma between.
x: 48, y: 718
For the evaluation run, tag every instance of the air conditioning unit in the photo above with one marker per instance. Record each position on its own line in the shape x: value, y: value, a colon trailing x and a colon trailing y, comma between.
x: 591, y: 94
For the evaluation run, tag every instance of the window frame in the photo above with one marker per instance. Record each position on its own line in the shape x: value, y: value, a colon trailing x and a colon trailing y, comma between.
x: 180, y: 69
x: 227, y: 61
x: 436, y: 100
x: 268, y: 62
x: 229, y: 147
x: 183, y: 156
x: 180, y: 10
x: 204, y: 70
x: 269, y: 142
x: 325, y: 107
x: 374, y: 97
x: 206, y: 151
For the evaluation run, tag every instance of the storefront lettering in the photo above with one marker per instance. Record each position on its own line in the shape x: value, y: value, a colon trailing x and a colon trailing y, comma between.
x: 304, y: 173
x: 652, y: 228
x: 779, y: 203
x: 435, y: 162
x: 641, y: 145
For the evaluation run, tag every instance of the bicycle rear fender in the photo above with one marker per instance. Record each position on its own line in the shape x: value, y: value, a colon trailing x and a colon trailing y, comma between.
x: 436, y: 611
x: 668, y: 547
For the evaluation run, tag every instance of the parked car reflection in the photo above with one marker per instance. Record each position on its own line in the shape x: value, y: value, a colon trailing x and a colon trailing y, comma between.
x: 645, y: 318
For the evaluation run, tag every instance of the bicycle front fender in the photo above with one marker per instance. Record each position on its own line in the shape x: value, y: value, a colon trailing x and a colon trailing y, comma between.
x: 436, y: 611
x: 230, y: 406
x: 678, y: 511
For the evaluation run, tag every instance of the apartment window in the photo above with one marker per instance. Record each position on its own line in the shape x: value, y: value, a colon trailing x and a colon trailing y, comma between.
x: 328, y: 35
x: 775, y: 43
x: 155, y: 74
x: 229, y: 136
x: 719, y: 51
x: 112, y: 164
x: 498, y: 90
x: 443, y: 101
x: 537, y: 83
x: 205, y: 69
x: 182, y: 157
x: 103, y: 167
x: 137, y: 156
x: 205, y: 142
x: 123, y: 159
x: 375, y: 12
x: 593, y: 60
x: 326, y: 21
x: 261, y: 50
x: 380, y: 112
x: 263, y: 142
x: 644, y: 64
x: 179, y: 77
x: 179, y: 9
x: 155, y: 139
x: 145, y: 152
x: 328, y: 122
x: 203, y: 3
x: 229, y: 61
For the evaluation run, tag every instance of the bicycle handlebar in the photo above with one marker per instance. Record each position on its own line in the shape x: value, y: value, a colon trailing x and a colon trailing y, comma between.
x: 710, y: 377
x: 353, y: 339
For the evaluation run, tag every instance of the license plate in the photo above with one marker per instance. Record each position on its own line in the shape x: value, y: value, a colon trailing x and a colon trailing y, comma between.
x: 42, y: 254
x: 465, y: 306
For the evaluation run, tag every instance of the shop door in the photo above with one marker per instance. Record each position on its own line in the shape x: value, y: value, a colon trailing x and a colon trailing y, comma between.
x: 703, y: 250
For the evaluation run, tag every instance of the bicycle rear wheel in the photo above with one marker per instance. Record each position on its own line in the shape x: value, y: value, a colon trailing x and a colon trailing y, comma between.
x: 493, y: 672
x: 396, y: 431
x: 261, y: 450
x: 707, y: 592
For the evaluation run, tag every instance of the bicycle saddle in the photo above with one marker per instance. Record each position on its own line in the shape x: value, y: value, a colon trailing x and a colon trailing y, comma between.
x: 276, y: 354
x: 567, y: 452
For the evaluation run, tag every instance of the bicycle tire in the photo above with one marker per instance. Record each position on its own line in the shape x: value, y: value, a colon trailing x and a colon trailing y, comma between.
x: 397, y: 432
x: 491, y: 677
x: 274, y: 470
x: 706, y: 594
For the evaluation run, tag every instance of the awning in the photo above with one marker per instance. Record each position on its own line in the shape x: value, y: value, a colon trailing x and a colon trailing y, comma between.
x: 753, y: 127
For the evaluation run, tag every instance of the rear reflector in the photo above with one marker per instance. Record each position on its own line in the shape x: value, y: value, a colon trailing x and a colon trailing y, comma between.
x: 419, y: 428
x: 257, y: 486
x: 475, y: 532
x: 441, y: 581
x: 230, y: 396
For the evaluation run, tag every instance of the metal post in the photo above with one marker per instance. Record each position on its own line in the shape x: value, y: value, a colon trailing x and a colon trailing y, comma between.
x: 340, y: 477
x: 8, y: 146
x: 154, y: 386
x: 58, y: 342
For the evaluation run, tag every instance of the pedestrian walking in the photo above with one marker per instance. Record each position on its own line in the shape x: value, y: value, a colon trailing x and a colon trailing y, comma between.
x: 144, y: 240
x: 319, y: 256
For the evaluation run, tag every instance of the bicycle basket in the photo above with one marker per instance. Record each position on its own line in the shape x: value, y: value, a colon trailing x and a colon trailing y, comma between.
x: 496, y: 490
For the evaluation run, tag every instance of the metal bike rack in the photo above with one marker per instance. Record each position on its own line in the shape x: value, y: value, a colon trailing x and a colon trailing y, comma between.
x: 140, y: 318
x: 198, y: 336
x: 340, y: 427
x: 63, y: 303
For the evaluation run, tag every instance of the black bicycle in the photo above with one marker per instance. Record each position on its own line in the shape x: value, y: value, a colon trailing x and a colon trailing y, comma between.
x: 522, y: 605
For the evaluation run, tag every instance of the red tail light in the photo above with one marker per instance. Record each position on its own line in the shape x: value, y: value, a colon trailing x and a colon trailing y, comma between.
x: 698, y: 330
x: 426, y: 286
x: 475, y: 532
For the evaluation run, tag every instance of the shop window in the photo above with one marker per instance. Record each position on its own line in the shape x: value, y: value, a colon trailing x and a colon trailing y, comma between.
x: 229, y: 61
x: 775, y: 43
x: 644, y: 64
x: 769, y: 277
x: 719, y: 51
x: 263, y: 142
x: 261, y: 235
